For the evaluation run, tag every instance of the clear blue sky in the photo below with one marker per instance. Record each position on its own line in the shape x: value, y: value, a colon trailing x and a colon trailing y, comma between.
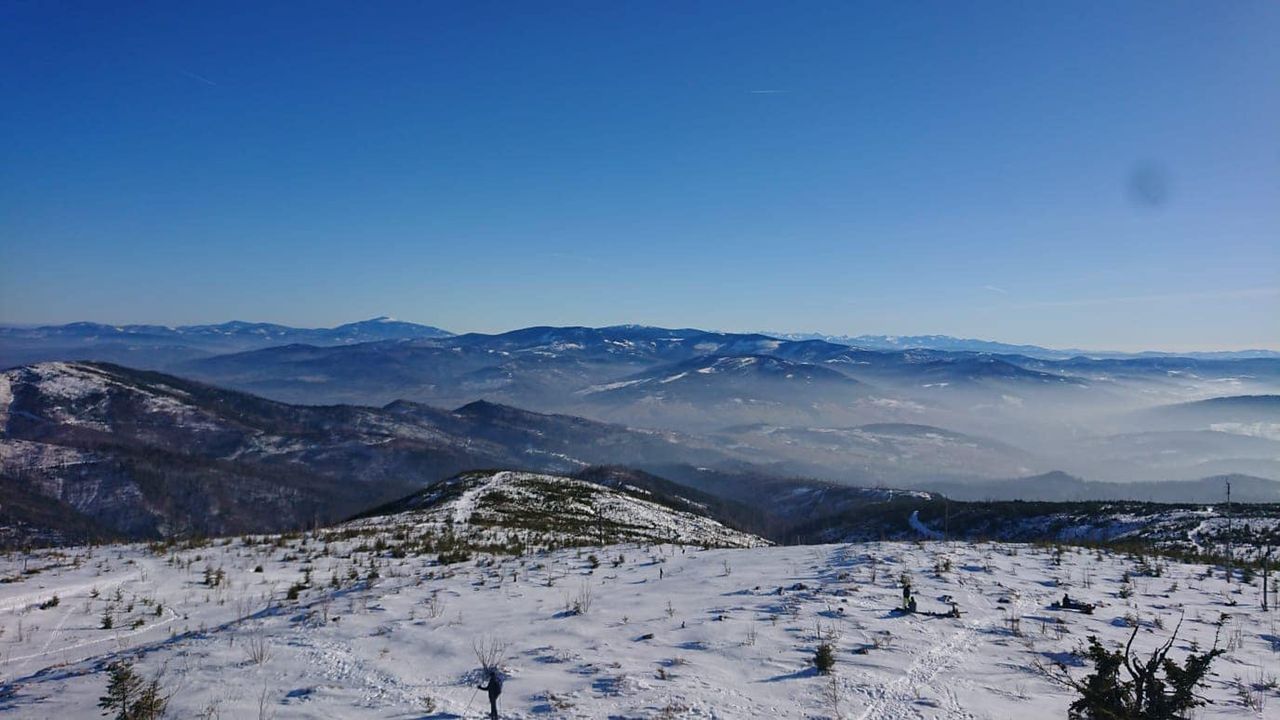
x: 1099, y: 175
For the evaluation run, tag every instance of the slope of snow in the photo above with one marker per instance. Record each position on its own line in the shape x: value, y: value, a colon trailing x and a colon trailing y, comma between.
x: 23, y: 455
x: 6, y: 399
x: 668, y: 631
x: 83, y: 394
x: 504, y: 506
x: 921, y: 528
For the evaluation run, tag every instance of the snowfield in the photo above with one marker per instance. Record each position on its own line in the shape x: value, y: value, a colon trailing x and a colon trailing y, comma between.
x: 649, y: 631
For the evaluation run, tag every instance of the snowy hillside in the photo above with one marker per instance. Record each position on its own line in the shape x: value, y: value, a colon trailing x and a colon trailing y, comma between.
x: 346, y: 625
x: 547, y: 510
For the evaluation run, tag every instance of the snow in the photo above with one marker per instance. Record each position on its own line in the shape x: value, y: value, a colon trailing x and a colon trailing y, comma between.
x: 6, y: 399
x: 484, y: 507
x: 83, y: 395
x: 67, y: 381
x: 24, y: 456
x: 921, y: 528
x: 465, y: 506
x: 610, y: 386
x: 896, y: 404
x: 1266, y: 430
x: 733, y: 630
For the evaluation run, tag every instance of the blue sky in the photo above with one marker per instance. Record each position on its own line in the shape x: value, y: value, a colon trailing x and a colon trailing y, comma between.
x: 1099, y: 175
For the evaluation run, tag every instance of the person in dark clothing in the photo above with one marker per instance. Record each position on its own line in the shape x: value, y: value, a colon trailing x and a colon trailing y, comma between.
x: 494, y: 689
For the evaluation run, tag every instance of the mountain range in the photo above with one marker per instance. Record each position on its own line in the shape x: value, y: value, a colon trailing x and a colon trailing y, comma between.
x: 244, y: 427
x: 92, y: 451
x: 157, y: 346
x: 948, y: 342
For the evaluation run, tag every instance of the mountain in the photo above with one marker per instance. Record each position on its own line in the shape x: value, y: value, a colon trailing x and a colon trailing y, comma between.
x: 566, y: 443
x: 379, y: 328
x: 754, y: 518
x: 893, y: 454
x: 147, y: 455
x: 955, y: 344
x: 924, y: 368
x: 92, y: 451
x: 1257, y: 415
x: 1196, y: 530
x: 629, y: 374
x: 158, y: 346
x: 1061, y: 487
x: 1082, y: 415
x: 702, y: 392
x: 116, y: 452
x: 533, y: 367
x: 1172, y: 454
x: 502, y: 507
x: 932, y: 342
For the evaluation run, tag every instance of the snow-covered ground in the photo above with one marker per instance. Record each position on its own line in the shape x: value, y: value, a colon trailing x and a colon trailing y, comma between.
x: 667, y: 631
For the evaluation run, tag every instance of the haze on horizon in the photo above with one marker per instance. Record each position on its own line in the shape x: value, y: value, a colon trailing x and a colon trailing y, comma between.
x: 1088, y: 175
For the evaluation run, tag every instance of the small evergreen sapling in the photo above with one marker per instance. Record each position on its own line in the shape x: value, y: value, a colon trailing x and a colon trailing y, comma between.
x: 129, y: 697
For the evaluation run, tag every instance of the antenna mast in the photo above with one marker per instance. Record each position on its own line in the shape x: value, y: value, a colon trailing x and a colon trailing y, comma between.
x: 1266, y: 575
x: 1230, y: 533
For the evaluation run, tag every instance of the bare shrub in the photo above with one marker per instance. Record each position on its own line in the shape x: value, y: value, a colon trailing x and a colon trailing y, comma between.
x: 490, y: 652
x: 434, y: 605
x: 580, y: 602
x: 257, y: 648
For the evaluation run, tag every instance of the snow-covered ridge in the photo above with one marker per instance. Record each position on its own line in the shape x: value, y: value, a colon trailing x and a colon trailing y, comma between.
x: 566, y: 510
x: 82, y: 394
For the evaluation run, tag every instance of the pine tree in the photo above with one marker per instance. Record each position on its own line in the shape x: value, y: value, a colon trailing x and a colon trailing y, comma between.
x: 824, y: 659
x: 151, y: 704
x: 123, y: 690
x: 129, y: 697
x: 1156, y: 689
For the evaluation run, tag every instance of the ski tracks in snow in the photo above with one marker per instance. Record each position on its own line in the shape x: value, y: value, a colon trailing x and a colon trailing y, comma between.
x: 900, y: 698
x: 897, y: 699
x: 465, y: 505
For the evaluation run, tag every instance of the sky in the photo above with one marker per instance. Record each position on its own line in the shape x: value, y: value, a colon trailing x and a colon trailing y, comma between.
x: 1079, y: 174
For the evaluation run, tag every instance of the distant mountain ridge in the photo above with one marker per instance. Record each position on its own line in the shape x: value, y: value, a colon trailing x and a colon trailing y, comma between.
x: 239, y: 335
x: 1061, y: 487
x: 157, y: 346
x: 606, y: 373
x: 1104, y: 418
x: 957, y: 344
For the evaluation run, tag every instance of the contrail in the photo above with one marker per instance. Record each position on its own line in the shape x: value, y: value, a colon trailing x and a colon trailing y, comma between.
x: 201, y: 78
